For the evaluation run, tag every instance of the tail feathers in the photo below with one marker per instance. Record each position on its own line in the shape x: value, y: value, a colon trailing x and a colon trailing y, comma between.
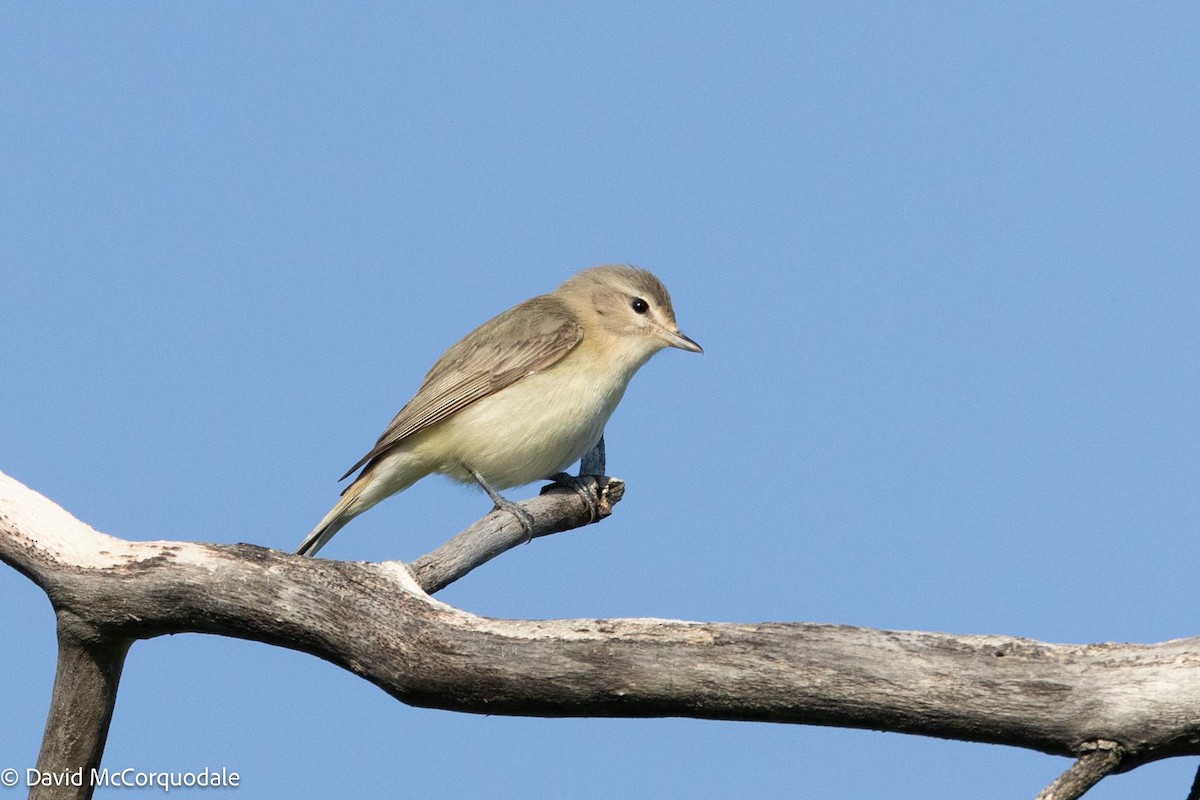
x: 319, y: 536
x: 337, y: 517
x: 383, y: 477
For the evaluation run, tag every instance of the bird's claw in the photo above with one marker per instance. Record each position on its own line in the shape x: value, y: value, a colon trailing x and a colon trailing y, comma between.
x: 586, y: 486
x: 522, y: 516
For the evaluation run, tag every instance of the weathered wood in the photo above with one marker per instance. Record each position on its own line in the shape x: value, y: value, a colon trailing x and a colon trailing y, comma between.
x: 376, y: 621
x: 555, y: 511
x: 81, y: 706
x: 1099, y: 759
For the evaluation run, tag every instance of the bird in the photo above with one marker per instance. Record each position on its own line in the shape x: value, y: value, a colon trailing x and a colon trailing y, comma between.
x: 520, y: 398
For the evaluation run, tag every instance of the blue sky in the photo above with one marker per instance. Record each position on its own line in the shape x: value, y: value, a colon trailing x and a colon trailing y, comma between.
x: 942, y: 259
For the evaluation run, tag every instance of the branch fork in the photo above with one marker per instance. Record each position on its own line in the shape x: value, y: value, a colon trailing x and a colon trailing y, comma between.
x: 1127, y: 703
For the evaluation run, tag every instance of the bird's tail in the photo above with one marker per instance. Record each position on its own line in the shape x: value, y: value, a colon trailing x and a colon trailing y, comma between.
x: 337, y: 517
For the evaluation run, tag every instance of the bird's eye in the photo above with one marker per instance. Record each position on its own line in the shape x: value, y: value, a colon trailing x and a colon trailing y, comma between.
x: 639, y: 305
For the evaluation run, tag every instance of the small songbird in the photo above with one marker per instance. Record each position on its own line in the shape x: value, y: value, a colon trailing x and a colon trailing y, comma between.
x: 521, y: 397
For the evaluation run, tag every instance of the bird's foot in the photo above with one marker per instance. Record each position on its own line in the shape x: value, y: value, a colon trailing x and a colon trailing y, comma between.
x: 518, y: 511
x: 504, y: 504
x: 586, y: 486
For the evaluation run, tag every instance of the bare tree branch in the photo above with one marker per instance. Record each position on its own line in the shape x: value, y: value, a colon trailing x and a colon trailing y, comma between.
x: 558, y: 510
x: 90, y: 662
x: 376, y: 621
x: 1098, y: 760
x: 81, y: 707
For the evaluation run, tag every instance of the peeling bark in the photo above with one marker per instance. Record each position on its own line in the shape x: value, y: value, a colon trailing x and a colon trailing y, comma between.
x: 377, y: 620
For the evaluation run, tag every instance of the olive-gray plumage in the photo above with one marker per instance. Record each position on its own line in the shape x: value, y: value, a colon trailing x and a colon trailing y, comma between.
x: 522, y: 396
x: 504, y: 349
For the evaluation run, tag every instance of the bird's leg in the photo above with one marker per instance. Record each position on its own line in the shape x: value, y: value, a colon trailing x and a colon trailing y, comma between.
x: 592, y: 462
x: 504, y: 504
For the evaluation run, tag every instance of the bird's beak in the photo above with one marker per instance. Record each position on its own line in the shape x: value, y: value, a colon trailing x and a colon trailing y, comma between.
x: 676, y: 339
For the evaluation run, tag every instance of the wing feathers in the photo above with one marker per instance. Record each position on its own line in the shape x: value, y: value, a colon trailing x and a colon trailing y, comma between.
x: 523, y: 340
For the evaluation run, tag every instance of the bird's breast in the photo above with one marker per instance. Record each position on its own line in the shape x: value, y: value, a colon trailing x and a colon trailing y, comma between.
x: 533, y: 428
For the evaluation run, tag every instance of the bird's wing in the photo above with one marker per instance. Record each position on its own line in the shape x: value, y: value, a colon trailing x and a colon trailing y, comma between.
x: 506, y: 348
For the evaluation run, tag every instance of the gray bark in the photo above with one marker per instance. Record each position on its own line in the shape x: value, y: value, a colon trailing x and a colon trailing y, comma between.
x: 377, y: 621
x: 1100, y: 758
x: 81, y: 706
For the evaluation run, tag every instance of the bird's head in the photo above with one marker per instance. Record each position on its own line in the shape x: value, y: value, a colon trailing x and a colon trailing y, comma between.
x: 628, y: 306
